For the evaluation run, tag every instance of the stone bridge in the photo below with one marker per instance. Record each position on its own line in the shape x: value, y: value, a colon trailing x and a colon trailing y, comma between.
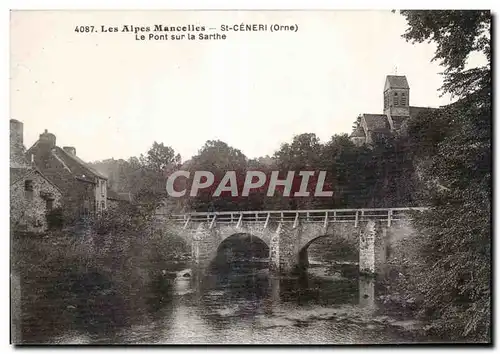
x: 288, y: 234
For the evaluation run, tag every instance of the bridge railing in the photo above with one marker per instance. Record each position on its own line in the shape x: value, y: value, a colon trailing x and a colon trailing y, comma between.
x: 325, y: 216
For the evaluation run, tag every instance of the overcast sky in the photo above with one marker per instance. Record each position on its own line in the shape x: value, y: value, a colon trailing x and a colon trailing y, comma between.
x: 109, y: 95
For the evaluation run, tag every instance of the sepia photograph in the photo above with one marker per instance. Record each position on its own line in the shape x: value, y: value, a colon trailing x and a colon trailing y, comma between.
x: 244, y: 177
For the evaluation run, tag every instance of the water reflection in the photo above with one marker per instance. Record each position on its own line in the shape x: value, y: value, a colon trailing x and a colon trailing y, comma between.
x: 241, y: 303
x: 367, y: 292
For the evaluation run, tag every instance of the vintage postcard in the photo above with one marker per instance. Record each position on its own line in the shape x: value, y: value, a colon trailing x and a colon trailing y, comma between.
x: 250, y: 177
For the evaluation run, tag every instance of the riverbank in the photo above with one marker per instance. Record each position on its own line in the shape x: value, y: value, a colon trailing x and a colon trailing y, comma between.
x: 63, y: 278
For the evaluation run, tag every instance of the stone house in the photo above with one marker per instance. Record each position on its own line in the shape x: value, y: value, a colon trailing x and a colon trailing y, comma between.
x: 84, y: 188
x: 32, y: 194
x: 397, y: 111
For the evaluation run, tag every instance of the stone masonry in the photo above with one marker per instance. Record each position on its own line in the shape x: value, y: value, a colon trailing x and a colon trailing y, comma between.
x: 288, y: 243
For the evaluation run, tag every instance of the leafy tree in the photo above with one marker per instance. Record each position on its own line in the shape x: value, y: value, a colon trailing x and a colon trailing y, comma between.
x: 218, y: 157
x: 457, y: 34
x: 144, y: 177
x: 304, y: 153
x: 159, y: 157
x: 453, y: 155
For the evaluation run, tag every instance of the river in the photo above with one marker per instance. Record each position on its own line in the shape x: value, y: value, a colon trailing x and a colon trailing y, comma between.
x: 327, y: 304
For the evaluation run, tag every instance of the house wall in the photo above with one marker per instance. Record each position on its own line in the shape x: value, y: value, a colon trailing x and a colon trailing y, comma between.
x: 28, y: 214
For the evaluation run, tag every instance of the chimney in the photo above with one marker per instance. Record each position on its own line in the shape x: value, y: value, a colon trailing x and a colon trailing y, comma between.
x: 48, y: 140
x: 16, y: 133
x: 16, y: 144
x: 70, y: 150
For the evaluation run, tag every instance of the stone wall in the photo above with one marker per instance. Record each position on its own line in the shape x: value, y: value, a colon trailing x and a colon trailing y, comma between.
x: 28, y: 213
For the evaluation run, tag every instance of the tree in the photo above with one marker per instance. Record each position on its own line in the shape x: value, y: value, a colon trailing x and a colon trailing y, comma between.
x: 218, y: 157
x: 159, y: 157
x: 304, y: 153
x: 457, y: 34
x: 453, y: 158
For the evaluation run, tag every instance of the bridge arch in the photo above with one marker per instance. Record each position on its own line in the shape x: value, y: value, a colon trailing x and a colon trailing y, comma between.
x: 239, y: 251
x: 248, y: 240
x: 312, y: 232
x: 336, y: 245
x: 226, y: 231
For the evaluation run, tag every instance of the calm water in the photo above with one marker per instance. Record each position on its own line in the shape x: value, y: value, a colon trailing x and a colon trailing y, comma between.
x: 239, y: 304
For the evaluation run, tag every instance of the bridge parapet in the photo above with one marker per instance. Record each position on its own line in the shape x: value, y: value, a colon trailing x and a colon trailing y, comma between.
x: 295, y: 217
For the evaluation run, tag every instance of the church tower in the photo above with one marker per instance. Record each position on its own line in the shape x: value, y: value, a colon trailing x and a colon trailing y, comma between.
x: 396, y: 97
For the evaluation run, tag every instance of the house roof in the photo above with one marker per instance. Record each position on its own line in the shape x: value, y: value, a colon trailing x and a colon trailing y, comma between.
x: 397, y: 81
x: 377, y: 123
x: 18, y: 174
x: 71, y: 163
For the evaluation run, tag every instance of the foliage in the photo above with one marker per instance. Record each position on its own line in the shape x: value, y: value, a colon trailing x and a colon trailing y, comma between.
x: 387, y: 179
x: 217, y: 157
x: 457, y: 34
x: 160, y: 157
x: 111, y: 277
x: 144, y: 177
x: 453, y: 154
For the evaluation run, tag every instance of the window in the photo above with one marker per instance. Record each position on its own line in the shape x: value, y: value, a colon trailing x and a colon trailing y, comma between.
x: 396, y: 99
x: 28, y: 189
x: 103, y: 205
x: 28, y: 185
x: 49, y: 203
x: 403, y: 99
x: 102, y: 187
